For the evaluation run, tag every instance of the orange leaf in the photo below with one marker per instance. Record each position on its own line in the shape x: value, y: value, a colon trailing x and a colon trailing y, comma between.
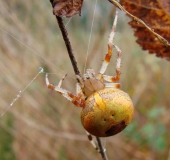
x: 156, y: 14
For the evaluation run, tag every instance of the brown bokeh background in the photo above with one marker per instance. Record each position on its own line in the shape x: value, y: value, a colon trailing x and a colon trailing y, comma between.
x: 41, y: 124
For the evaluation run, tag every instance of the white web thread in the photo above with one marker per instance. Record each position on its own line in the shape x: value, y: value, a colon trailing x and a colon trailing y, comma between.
x: 30, y: 49
x: 68, y: 22
x: 104, y: 143
x: 90, y: 36
x: 41, y: 69
x: 20, y: 92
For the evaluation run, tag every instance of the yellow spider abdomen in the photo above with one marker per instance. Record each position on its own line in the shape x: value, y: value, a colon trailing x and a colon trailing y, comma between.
x: 107, y: 112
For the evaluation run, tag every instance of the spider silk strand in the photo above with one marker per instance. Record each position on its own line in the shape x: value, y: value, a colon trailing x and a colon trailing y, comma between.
x: 88, y: 48
x: 31, y: 49
x: 20, y: 92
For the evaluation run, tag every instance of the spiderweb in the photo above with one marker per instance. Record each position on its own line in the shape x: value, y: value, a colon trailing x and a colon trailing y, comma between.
x: 38, y: 123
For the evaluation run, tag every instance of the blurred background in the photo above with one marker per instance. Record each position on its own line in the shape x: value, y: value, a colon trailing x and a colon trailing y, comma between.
x: 41, y: 124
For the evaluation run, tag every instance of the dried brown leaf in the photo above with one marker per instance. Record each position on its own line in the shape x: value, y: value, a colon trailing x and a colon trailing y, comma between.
x: 156, y: 14
x: 67, y: 8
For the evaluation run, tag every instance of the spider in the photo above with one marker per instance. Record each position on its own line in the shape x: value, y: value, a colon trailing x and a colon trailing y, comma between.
x: 106, y: 110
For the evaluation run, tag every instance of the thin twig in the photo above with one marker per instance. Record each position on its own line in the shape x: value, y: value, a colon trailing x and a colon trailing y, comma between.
x: 76, y: 70
x: 68, y: 45
x: 75, y: 67
x: 117, y: 4
x: 102, y: 150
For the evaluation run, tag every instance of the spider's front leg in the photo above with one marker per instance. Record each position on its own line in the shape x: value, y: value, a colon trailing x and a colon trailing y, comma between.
x: 116, y: 78
x: 90, y: 138
x: 109, y: 55
x: 77, y: 100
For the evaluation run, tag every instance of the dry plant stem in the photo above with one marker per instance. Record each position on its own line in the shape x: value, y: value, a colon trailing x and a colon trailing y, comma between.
x: 76, y: 70
x: 68, y: 45
x: 117, y: 4
x: 102, y: 151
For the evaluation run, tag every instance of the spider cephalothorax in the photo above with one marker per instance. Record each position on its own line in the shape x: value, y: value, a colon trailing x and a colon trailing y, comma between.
x: 91, y: 83
x: 106, y: 110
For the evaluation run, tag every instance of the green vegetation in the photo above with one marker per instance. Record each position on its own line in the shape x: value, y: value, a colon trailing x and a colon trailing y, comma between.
x: 6, y: 141
x: 153, y: 134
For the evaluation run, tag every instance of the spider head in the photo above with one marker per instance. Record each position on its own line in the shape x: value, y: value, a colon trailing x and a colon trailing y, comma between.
x: 91, y: 84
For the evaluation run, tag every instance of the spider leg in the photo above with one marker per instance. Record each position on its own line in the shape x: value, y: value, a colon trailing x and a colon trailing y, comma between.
x: 118, y: 65
x: 75, y: 99
x: 90, y: 138
x: 79, y: 91
x: 112, y: 85
x: 61, y: 81
x: 109, y: 53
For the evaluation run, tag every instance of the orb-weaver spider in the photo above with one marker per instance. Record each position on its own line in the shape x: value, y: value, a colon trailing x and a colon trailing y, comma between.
x: 106, y: 110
